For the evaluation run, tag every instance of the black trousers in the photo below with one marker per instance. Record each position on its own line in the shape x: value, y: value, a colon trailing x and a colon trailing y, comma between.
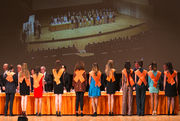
x: 140, y: 98
x: 79, y: 99
x: 9, y: 98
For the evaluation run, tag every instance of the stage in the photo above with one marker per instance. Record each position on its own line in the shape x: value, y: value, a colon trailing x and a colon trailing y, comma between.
x: 98, y: 118
x: 68, y: 104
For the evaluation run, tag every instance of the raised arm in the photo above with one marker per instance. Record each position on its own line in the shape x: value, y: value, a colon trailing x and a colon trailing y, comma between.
x: 164, y: 81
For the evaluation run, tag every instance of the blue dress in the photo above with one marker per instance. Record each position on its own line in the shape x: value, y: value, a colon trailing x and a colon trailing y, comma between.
x: 152, y: 89
x: 94, y: 91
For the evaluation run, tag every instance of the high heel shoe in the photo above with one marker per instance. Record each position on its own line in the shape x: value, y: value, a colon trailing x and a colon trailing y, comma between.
x: 112, y: 114
x: 77, y: 114
x: 56, y: 113
x: 59, y: 114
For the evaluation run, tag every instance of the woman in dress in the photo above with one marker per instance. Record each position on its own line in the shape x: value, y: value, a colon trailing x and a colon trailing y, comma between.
x: 38, y: 89
x: 95, y: 83
x: 25, y: 85
x: 110, y: 79
x: 58, y: 82
x: 153, y: 82
x: 127, y: 88
x: 170, y: 86
x: 79, y: 83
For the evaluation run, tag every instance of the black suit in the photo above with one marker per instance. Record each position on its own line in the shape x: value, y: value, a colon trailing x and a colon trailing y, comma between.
x: 68, y: 82
x: 49, y: 82
x: 10, y: 90
x: 2, y: 81
x: 32, y: 83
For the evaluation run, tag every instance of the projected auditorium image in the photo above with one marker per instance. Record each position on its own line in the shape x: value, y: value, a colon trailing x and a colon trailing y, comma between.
x: 90, y: 60
x: 77, y: 27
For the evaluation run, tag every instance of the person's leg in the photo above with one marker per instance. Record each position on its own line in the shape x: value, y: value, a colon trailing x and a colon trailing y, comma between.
x: 156, y: 102
x: 109, y: 103
x: 152, y: 102
x: 11, y: 103
x: 77, y: 101
x: 138, y: 100
x: 81, y: 101
x: 143, y: 96
x: 93, y: 105
x: 96, y: 104
x: 130, y: 100
x: 7, y: 102
x: 124, y: 101
x: 40, y: 106
x: 25, y: 104
x: 168, y: 104
x: 60, y: 103
x: 172, y: 103
x: 112, y: 103
x: 56, y: 103
x: 22, y: 103
x: 36, y: 106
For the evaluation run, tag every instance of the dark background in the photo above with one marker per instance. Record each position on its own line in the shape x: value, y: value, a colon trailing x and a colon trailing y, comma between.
x: 164, y: 45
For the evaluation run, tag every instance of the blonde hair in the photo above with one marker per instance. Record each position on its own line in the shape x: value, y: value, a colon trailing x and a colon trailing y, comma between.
x: 24, y: 72
x: 108, y: 67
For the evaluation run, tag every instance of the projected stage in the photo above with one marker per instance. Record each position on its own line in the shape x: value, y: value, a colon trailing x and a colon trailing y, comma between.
x: 124, y: 26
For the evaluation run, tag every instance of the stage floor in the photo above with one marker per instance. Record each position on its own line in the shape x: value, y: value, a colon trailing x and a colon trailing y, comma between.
x: 122, y: 21
x: 98, y: 118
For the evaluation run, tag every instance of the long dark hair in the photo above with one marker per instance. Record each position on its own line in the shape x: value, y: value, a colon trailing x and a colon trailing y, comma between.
x: 127, y: 66
x: 37, y: 70
x: 170, y: 67
x: 140, y: 63
x: 154, y: 66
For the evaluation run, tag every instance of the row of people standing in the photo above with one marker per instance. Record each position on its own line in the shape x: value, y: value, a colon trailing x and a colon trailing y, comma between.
x: 138, y: 79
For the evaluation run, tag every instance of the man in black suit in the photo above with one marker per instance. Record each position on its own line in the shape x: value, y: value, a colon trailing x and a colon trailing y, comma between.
x: 67, y: 80
x: 9, y: 85
x: 2, y: 77
x: 48, y: 80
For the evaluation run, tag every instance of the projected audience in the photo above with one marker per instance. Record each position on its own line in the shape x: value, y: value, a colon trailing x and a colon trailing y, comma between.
x: 85, y: 18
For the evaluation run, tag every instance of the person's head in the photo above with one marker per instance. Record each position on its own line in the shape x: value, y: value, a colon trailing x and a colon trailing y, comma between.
x: 164, y: 66
x: 127, y: 66
x: 5, y: 67
x: 136, y: 64
x: 19, y: 67
x: 32, y: 71
x: 37, y: 70
x: 95, y: 68
x: 79, y: 65
x: 169, y: 67
x: 109, y: 66
x: 25, y: 71
x: 58, y: 64
x: 154, y: 66
x: 11, y: 68
x: 150, y: 67
x: 140, y: 63
x: 43, y: 69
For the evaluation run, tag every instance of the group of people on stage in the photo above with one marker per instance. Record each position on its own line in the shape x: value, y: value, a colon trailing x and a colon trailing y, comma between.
x: 137, y: 79
x: 86, y: 17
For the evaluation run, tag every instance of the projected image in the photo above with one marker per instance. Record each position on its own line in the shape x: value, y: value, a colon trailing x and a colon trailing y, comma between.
x: 72, y: 28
